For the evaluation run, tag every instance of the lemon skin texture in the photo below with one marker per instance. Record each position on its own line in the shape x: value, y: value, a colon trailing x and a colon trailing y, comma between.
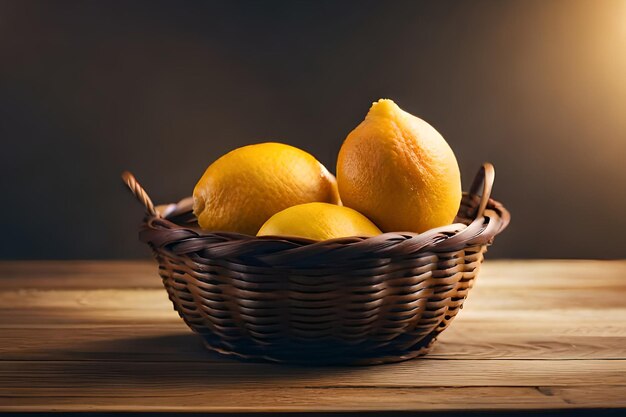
x: 245, y: 187
x: 319, y: 221
x: 399, y: 171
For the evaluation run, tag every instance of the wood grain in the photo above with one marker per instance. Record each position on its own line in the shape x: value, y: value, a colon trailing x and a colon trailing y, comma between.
x: 174, y: 342
x: 102, y: 336
x: 75, y: 375
x: 323, y: 400
x: 57, y: 275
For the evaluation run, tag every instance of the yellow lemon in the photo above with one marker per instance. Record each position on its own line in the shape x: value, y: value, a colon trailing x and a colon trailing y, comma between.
x: 399, y: 171
x: 245, y: 187
x: 319, y: 221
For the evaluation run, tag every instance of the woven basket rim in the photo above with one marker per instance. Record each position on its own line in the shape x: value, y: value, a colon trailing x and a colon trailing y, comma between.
x: 495, y: 211
x: 163, y: 234
x: 174, y: 223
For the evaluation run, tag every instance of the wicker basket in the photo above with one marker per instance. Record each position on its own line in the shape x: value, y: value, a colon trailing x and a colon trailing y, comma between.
x: 342, y: 301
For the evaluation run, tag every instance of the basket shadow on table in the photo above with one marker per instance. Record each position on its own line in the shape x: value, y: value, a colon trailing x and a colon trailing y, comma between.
x: 183, y: 358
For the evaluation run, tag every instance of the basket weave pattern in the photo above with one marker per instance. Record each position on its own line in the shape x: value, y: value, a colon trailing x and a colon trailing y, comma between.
x: 343, y: 301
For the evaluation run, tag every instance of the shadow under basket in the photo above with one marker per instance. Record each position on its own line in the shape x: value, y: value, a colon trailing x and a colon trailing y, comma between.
x: 353, y: 300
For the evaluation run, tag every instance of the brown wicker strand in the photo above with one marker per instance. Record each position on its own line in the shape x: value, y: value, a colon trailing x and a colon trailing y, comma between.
x: 141, y: 194
x: 354, y: 300
x: 485, y: 177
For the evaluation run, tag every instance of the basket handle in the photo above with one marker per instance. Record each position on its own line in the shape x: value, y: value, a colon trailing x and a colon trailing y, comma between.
x: 141, y: 194
x: 485, y: 177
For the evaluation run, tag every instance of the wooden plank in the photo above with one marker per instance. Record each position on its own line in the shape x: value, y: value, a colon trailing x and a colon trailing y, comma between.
x: 554, y: 274
x: 158, y: 310
x: 546, y: 274
x: 77, y: 274
x: 174, y: 342
x: 547, y: 324
x: 480, y: 298
x: 52, y: 307
x: 76, y: 375
x: 102, y: 336
x: 217, y: 400
x: 606, y: 322
x: 416, y: 385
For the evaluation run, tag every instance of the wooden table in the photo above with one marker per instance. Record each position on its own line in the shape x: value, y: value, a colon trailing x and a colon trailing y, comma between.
x: 102, y: 336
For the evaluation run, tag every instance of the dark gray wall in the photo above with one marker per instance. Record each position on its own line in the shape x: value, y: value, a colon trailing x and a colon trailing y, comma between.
x: 89, y: 88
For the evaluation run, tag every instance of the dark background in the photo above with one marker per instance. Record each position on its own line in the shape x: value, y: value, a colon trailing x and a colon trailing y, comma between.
x: 89, y: 88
